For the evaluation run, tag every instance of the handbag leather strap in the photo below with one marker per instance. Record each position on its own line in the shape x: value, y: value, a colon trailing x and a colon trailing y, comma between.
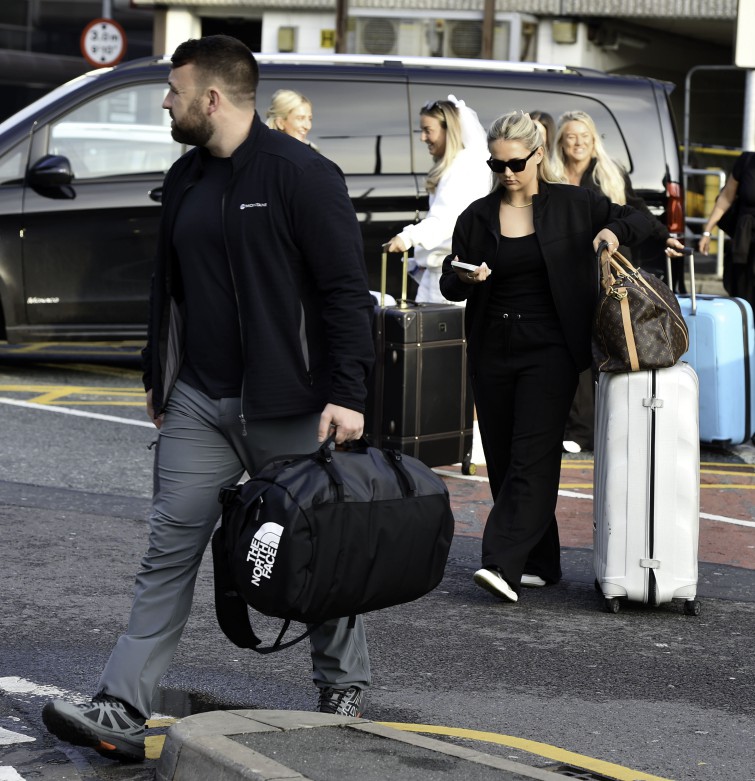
x: 634, y: 360
x: 607, y: 279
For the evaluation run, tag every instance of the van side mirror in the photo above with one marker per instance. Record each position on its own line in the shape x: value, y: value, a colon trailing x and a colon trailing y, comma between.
x: 50, y: 171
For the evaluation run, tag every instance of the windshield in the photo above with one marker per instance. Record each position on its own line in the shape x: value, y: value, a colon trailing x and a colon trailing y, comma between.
x: 49, y: 99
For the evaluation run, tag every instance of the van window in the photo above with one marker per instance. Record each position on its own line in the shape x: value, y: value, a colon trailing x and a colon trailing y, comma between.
x: 362, y: 126
x: 490, y: 103
x: 122, y: 132
x: 13, y: 163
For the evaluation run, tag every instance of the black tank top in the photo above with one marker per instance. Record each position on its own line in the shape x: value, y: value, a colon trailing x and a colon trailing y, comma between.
x: 520, y: 279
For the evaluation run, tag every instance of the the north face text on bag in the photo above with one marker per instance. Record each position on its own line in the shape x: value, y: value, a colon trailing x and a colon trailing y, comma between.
x: 263, y: 549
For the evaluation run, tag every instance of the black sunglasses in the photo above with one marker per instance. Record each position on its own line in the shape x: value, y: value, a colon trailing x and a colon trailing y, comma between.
x: 516, y: 166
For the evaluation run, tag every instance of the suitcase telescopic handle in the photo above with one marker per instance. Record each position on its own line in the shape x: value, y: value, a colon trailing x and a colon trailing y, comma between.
x: 693, y: 296
x: 403, y: 304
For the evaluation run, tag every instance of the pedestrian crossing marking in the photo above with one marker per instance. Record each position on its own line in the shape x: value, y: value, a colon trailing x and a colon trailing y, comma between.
x: 9, y: 774
x: 8, y: 738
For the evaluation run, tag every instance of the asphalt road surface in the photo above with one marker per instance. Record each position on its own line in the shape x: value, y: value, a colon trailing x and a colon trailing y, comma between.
x: 553, y: 681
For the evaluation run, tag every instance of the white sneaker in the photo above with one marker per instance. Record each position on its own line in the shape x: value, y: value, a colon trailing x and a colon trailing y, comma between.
x: 532, y: 581
x: 492, y: 580
x: 571, y: 447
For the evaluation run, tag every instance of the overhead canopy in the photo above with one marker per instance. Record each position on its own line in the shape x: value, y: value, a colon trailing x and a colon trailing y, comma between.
x: 691, y: 9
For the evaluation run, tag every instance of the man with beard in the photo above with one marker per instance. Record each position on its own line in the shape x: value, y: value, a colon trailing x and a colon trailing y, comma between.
x: 259, y: 344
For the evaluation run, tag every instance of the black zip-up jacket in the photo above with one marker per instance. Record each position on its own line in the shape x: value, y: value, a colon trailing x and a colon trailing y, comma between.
x: 567, y: 219
x: 295, y: 253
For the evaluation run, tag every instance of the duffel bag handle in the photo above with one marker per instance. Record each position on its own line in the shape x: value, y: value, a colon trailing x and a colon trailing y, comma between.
x: 324, y: 457
x: 396, y: 459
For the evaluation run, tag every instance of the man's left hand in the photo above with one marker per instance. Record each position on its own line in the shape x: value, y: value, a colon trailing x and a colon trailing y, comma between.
x: 342, y: 423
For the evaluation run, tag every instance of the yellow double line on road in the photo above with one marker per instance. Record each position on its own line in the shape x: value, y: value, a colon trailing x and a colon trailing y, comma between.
x: 746, y: 471
x: 608, y: 769
x: 154, y: 746
x: 83, y: 395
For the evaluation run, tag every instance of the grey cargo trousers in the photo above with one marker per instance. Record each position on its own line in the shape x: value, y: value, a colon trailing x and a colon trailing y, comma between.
x: 200, y: 449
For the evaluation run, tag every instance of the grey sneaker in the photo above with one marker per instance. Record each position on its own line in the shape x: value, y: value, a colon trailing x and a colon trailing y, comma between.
x: 492, y: 580
x: 343, y: 702
x: 105, y: 724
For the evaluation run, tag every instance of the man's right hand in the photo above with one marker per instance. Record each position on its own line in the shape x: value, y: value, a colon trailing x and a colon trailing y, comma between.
x: 158, y: 421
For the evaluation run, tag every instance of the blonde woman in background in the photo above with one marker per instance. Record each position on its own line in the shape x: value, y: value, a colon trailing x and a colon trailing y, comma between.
x: 580, y: 158
x: 459, y: 175
x: 291, y: 113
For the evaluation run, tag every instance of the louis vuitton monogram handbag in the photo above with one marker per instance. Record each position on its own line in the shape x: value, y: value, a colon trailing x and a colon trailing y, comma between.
x: 638, y: 324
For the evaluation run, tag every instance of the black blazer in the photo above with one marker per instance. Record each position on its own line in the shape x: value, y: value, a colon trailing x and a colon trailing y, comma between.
x: 566, y: 219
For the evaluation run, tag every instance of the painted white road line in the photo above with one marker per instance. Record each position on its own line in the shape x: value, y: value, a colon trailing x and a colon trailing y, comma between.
x: 574, y: 494
x: 75, y: 412
x: 449, y: 473
x: 8, y: 738
x: 9, y: 774
x: 724, y: 519
x: 15, y: 685
x: 577, y: 495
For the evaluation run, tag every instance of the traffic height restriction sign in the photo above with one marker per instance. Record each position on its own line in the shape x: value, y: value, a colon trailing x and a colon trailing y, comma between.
x: 103, y: 42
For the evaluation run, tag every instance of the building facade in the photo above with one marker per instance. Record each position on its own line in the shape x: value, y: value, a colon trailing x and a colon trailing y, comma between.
x: 40, y: 39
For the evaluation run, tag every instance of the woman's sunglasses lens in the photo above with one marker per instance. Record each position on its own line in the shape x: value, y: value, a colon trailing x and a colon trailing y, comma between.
x: 499, y: 166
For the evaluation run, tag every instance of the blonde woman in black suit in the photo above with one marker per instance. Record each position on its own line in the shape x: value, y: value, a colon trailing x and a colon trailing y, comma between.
x: 530, y: 300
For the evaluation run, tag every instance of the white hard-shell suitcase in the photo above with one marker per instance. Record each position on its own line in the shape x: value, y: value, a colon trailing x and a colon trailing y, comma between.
x: 647, y: 487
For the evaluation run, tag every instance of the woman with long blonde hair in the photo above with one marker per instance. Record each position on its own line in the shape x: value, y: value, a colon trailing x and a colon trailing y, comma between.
x: 579, y: 155
x: 581, y: 158
x: 456, y: 141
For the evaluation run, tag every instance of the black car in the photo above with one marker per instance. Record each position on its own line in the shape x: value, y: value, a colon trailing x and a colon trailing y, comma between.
x: 81, y: 169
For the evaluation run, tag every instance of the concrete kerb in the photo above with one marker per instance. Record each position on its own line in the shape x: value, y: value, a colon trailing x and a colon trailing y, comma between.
x: 214, y: 746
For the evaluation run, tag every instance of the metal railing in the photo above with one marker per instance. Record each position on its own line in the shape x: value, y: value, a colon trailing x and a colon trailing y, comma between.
x: 720, y: 238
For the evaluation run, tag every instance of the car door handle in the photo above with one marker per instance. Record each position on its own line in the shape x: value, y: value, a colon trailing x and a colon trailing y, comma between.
x: 156, y: 194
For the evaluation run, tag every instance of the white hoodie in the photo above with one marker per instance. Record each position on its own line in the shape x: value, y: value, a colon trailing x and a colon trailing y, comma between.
x: 465, y: 180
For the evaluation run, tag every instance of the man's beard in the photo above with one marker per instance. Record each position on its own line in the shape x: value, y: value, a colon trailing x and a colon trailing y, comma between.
x: 195, y: 128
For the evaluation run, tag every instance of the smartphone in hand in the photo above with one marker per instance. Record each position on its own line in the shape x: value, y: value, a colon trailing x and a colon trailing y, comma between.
x: 464, y: 266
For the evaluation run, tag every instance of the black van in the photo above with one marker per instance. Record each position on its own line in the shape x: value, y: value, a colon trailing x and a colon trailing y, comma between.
x: 81, y: 169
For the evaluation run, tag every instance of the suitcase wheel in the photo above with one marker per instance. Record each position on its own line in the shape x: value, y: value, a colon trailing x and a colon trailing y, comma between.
x: 692, y: 607
x: 467, y: 467
x: 612, y: 604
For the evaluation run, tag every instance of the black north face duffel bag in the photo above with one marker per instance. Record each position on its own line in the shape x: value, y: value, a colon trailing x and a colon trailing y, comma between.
x: 331, y: 534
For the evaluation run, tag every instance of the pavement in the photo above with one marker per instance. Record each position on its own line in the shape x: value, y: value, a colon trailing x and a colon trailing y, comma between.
x: 271, y: 745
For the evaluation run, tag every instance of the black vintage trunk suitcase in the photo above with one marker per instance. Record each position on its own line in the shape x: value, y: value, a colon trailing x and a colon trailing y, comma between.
x: 420, y: 398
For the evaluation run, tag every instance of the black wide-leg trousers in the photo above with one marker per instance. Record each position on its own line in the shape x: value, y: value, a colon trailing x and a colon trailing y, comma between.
x: 524, y: 382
